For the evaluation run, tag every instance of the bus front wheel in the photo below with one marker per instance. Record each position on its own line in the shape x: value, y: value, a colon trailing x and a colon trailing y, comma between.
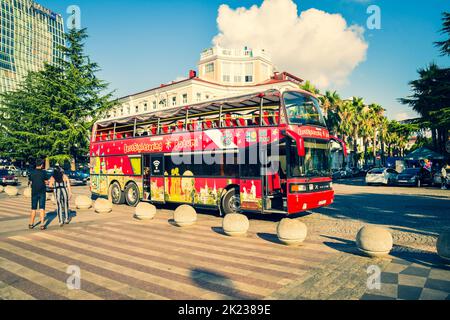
x: 132, y: 195
x: 231, y: 202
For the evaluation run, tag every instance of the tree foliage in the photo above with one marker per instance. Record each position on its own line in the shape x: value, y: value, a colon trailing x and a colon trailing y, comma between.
x: 52, y: 111
x: 444, y: 45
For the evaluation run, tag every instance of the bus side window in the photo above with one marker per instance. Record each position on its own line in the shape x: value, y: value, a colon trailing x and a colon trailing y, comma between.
x: 249, y: 162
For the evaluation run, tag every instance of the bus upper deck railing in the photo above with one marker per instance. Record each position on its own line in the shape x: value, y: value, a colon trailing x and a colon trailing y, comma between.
x: 271, y: 117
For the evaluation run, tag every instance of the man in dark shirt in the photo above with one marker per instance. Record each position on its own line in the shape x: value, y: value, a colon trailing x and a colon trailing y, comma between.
x: 38, y: 180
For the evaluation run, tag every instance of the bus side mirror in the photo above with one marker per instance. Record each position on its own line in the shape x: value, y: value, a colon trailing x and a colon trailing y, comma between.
x: 298, y: 140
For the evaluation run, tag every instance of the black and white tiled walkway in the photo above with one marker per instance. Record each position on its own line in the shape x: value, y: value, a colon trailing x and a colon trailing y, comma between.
x: 413, y: 277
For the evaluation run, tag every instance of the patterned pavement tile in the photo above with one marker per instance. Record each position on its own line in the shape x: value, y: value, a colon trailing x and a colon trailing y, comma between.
x: 430, y: 294
x: 443, y: 285
x: 415, y: 271
x: 409, y: 292
x: 389, y: 278
x: 409, y: 280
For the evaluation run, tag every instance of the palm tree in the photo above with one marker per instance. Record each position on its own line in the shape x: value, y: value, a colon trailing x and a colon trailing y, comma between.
x: 366, y: 128
x: 377, y: 113
x: 430, y: 98
x: 331, y: 102
x: 445, y: 44
x: 308, y: 86
x: 384, y: 136
x: 345, y: 114
x: 357, y: 108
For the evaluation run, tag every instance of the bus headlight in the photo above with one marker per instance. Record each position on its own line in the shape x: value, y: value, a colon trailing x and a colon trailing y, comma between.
x: 295, y: 188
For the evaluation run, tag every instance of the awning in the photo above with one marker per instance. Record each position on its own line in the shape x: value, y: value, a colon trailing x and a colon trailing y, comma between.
x: 422, y: 154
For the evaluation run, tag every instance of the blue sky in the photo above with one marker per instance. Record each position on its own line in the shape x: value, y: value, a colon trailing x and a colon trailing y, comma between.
x: 141, y: 44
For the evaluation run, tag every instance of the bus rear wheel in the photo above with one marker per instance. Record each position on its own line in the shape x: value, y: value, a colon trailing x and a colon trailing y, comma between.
x: 115, y: 194
x: 231, y: 202
x: 132, y: 195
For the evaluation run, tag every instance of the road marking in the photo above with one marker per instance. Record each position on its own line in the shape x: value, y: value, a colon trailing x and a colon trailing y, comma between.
x: 8, y: 292
x: 49, y: 283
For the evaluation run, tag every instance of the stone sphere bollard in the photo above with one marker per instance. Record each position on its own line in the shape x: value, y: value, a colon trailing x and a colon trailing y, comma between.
x: 292, y: 232
x: 27, y: 192
x: 145, y: 211
x: 374, y: 241
x: 103, y: 206
x: 11, y: 191
x: 184, y: 216
x: 235, y: 225
x: 443, y: 246
x: 1, y: 189
x: 83, y: 202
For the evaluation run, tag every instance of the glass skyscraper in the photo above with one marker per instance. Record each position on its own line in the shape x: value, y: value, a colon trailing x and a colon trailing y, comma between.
x: 29, y: 36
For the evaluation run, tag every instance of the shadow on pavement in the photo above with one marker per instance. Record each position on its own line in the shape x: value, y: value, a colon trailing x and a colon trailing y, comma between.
x: 422, y: 214
x: 52, y: 215
x: 423, y: 258
x: 343, y: 245
x: 216, y: 282
x: 219, y: 230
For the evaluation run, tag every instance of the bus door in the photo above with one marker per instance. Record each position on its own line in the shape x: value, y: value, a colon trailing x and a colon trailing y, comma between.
x: 272, y: 178
x: 157, y: 184
x: 146, y: 168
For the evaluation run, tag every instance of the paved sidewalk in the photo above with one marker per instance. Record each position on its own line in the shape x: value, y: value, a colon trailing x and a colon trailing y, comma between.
x: 121, y: 258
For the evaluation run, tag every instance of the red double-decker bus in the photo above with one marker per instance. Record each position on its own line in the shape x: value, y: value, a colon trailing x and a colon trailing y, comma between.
x: 267, y: 152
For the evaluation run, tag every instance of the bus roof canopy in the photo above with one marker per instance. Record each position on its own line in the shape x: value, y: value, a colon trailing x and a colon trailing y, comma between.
x: 227, y: 104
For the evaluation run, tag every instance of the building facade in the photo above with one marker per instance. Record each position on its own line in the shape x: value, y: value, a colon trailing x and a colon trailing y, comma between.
x: 238, y: 67
x: 221, y: 73
x: 29, y: 37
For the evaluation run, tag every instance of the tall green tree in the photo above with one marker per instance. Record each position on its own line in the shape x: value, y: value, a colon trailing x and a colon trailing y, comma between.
x: 308, y: 86
x: 357, y: 109
x: 444, y: 45
x: 431, y: 99
x: 377, y: 113
x: 331, y: 103
x: 52, y: 112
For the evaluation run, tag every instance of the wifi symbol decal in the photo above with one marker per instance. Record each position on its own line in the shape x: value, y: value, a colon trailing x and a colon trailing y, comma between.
x: 156, y: 163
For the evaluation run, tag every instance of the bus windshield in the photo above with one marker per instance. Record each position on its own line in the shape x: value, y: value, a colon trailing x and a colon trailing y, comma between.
x: 315, y: 163
x: 303, y: 109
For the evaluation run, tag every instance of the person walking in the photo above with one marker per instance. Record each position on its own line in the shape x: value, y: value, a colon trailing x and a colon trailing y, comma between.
x: 63, y: 193
x: 37, y: 180
x: 444, y: 178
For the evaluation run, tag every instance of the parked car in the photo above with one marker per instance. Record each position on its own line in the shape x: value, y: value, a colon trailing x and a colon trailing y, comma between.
x: 13, y: 169
x: 79, y: 177
x: 8, y: 178
x: 356, y: 172
x: 336, y: 175
x: 384, y: 176
x: 415, y: 177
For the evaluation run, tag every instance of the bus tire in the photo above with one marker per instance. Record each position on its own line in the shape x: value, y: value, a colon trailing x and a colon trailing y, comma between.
x: 231, y: 202
x: 115, y: 194
x: 132, y: 194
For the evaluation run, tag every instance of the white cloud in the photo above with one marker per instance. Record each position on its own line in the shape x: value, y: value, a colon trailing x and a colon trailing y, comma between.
x: 180, y: 78
x: 403, y: 116
x: 314, y: 45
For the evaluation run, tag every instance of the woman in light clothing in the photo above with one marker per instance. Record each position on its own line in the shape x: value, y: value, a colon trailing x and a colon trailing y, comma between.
x: 63, y: 193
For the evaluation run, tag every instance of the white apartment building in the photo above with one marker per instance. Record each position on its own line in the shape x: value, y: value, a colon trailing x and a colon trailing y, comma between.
x: 221, y: 73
